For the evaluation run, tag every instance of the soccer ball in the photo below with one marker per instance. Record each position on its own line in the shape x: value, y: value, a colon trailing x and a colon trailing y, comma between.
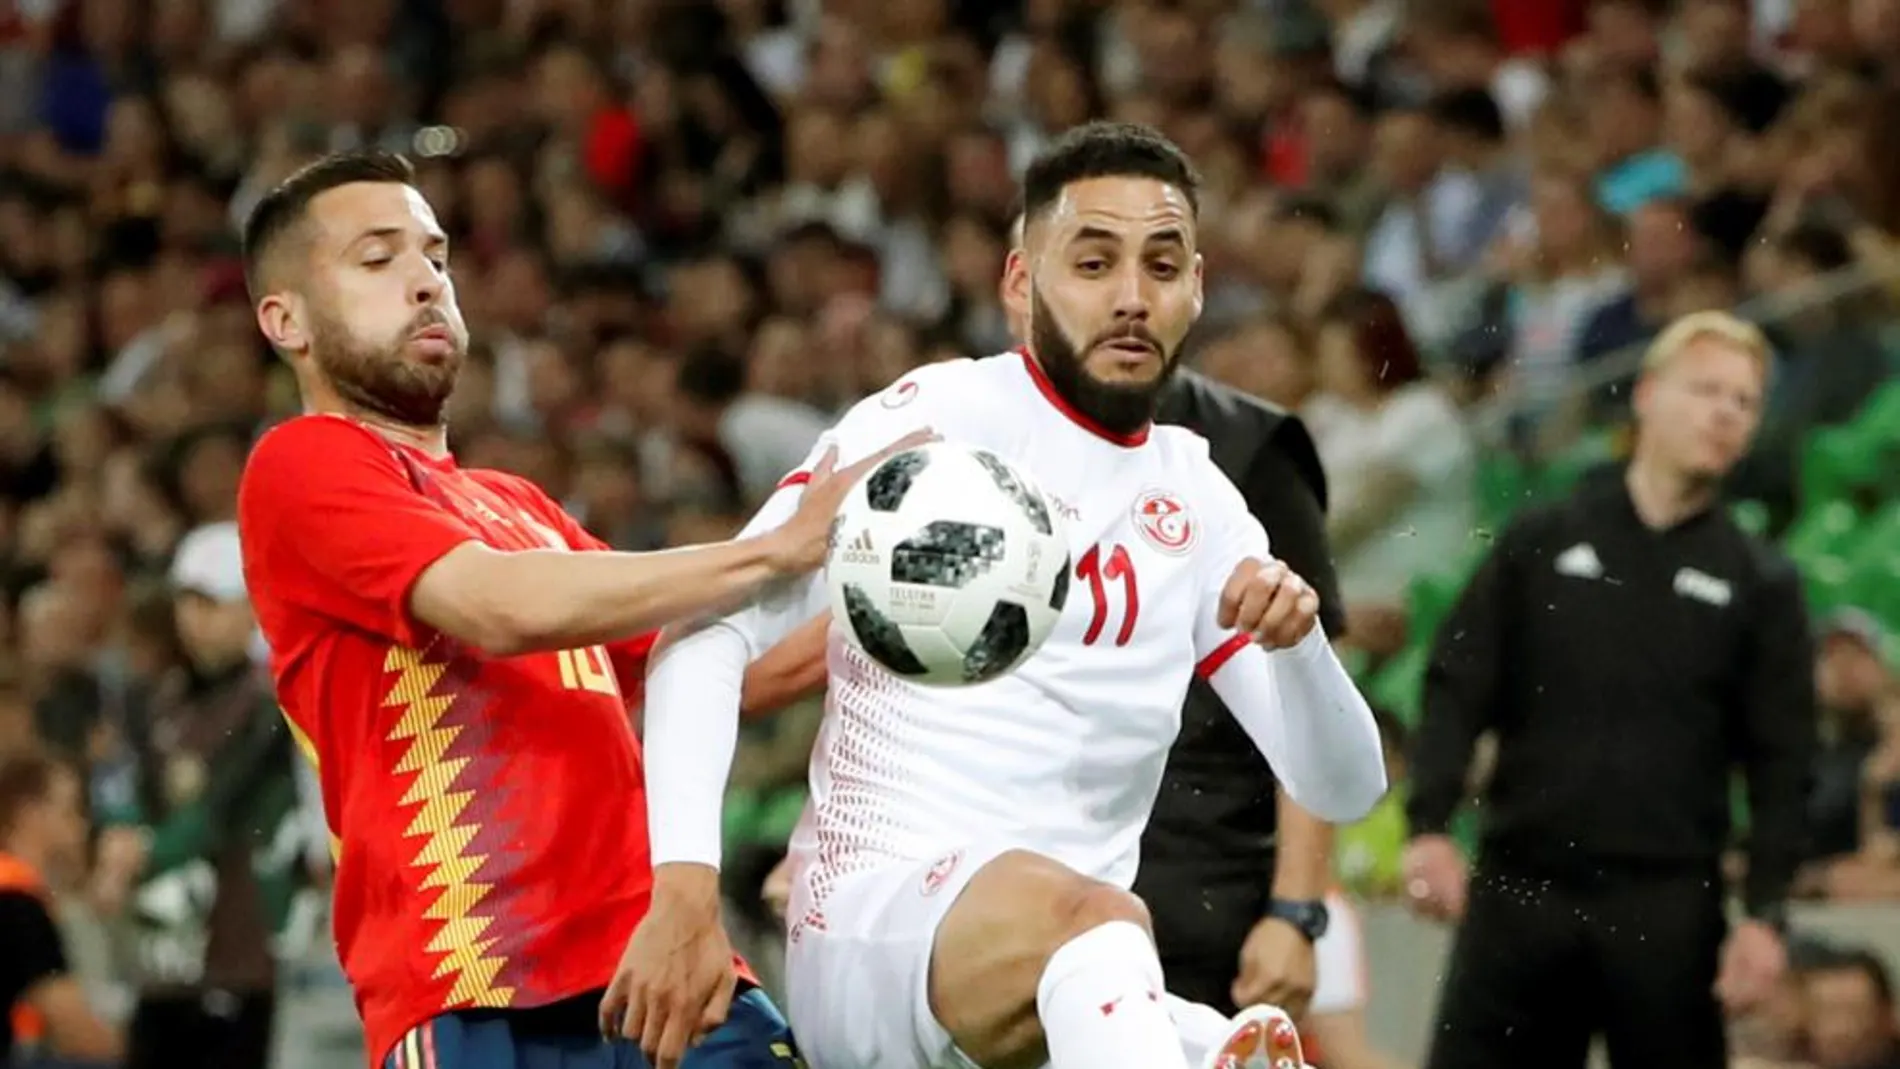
x: 947, y: 565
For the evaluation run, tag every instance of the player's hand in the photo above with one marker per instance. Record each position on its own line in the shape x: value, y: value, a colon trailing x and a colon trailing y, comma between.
x: 1267, y: 600
x: 1277, y: 968
x: 1753, y: 961
x: 1436, y: 879
x: 675, y: 982
x: 801, y: 544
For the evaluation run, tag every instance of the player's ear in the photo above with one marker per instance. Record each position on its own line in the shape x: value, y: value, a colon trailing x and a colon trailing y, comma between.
x: 281, y: 320
x: 1200, y: 283
x: 1015, y: 289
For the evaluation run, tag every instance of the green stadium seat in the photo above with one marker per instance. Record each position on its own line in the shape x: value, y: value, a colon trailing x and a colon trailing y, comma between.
x: 1839, y: 462
x: 1874, y: 540
x: 1429, y: 600
x: 1878, y: 419
x: 1829, y: 583
x: 1504, y: 486
x: 1827, y: 528
x: 1397, y: 687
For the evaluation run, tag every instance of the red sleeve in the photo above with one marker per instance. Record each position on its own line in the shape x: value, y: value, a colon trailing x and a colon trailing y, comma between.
x: 333, y: 522
x: 629, y: 656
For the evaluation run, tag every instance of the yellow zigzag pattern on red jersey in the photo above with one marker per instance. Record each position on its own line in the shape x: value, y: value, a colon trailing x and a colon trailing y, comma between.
x: 460, y: 939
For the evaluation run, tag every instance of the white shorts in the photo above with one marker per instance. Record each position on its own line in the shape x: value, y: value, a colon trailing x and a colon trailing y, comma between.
x: 857, y: 964
x: 1339, y: 962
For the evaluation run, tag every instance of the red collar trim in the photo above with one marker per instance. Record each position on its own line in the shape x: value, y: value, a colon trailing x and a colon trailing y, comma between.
x: 1061, y: 404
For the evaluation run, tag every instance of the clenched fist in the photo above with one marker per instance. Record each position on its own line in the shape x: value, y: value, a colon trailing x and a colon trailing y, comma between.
x: 1267, y: 600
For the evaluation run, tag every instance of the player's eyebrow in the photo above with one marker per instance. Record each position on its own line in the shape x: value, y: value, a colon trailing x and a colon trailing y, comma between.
x: 1094, y: 233
x: 1171, y: 236
x: 432, y: 241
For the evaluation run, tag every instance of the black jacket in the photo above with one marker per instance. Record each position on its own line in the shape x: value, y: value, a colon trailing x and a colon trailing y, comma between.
x: 1216, y: 807
x: 1627, y: 672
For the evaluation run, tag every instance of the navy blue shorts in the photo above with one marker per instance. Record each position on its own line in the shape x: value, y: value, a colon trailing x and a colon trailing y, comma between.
x: 754, y: 1036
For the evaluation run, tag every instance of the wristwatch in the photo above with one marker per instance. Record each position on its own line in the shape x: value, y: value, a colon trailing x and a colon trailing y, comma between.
x: 1309, y: 918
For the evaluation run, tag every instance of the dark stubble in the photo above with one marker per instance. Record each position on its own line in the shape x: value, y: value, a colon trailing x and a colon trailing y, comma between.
x: 378, y: 379
x: 1117, y: 407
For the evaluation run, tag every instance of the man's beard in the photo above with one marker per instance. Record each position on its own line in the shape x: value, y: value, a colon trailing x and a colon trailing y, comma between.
x: 378, y: 379
x: 1116, y: 407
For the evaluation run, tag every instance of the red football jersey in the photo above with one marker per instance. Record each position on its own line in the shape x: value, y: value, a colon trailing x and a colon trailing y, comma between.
x: 488, y: 813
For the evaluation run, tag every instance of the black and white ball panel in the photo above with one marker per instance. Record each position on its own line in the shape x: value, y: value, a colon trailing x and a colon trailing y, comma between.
x: 947, y: 553
x: 947, y: 565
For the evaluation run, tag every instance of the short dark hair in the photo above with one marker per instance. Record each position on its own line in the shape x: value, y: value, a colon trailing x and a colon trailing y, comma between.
x: 284, y: 207
x: 26, y: 778
x: 1384, y: 345
x: 1821, y: 247
x: 1107, y: 150
x: 1473, y: 112
x: 711, y: 376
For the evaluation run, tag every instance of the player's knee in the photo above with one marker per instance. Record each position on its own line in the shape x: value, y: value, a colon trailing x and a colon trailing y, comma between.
x: 1091, y: 904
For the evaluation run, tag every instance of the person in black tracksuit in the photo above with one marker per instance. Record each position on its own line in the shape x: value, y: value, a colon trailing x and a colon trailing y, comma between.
x: 1630, y: 648
x: 1208, y: 856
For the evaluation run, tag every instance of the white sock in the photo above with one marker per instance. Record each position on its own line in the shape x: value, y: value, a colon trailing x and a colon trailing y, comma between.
x: 1100, y: 1003
x: 1201, y: 1027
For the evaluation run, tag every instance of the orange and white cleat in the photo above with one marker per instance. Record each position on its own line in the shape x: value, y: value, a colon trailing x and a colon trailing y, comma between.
x: 1262, y: 1037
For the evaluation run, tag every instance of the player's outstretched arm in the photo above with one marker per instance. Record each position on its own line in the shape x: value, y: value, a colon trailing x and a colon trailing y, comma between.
x: 1298, y: 704
x: 521, y: 602
x: 675, y: 979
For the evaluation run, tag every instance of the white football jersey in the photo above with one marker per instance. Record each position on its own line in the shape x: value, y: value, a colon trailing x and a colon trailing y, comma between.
x: 1064, y: 755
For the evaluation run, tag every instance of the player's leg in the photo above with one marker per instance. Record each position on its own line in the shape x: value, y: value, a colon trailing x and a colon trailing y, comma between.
x: 1519, y: 990
x: 1658, y: 943
x: 1034, y: 962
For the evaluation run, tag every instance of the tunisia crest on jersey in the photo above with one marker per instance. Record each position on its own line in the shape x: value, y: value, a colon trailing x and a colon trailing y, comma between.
x: 1165, y: 521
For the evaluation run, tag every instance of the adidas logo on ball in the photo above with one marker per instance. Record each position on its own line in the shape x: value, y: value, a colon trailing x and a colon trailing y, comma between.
x: 860, y: 550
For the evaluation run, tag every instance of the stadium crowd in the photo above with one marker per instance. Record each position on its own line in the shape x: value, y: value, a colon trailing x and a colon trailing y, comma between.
x: 687, y: 234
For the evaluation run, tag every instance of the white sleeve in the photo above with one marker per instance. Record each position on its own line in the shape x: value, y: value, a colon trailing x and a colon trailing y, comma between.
x: 1298, y: 705
x: 692, y: 706
x: 694, y: 683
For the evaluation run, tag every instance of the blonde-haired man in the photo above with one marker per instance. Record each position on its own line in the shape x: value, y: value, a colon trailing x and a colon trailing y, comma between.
x: 1631, y: 648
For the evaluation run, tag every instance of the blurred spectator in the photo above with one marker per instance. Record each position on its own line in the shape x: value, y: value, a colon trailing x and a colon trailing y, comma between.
x: 1564, y: 262
x: 1626, y: 127
x: 1828, y: 357
x: 207, y: 858
x: 1268, y: 356
x: 764, y: 436
x: 1433, y: 227
x: 42, y: 847
x: 1856, y: 805
x: 1857, y: 696
x: 1458, y: 46
x: 1398, y: 459
x: 1850, y: 1013
x: 1336, y: 119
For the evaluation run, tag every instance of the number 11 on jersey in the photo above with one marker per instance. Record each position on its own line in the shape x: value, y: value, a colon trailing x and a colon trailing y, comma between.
x: 1118, y: 568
